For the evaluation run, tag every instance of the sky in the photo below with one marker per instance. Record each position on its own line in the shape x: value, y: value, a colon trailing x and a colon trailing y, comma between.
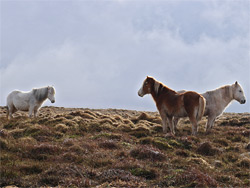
x: 96, y: 53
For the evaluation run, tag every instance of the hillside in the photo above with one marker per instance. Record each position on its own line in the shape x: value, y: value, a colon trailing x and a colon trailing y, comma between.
x: 121, y: 148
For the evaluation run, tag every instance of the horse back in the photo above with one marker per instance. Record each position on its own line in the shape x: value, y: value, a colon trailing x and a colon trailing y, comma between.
x: 190, y: 101
x: 12, y: 95
x: 167, y: 100
x: 171, y: 103
x: 18, y: 99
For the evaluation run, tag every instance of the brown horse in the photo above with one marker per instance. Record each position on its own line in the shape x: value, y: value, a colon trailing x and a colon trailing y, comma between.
x: 172, y: 104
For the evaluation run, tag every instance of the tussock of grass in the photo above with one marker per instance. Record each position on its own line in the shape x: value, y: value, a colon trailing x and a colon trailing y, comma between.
x: 27, y: 140
x: 10, y: 125
x: 147, y: 153
x: 106, y: 121
x: 124, y: 128
x: 186, y: 143
x: 222, y: 141
x: 86, y: 114
x: 145, y: 173
x: 70, y: 157
x: 199, y: 161
x: 196, y: 178
x: 41, y: 151
x: 107, y: 135
x: 147, y: 117
x: 98, y: 162
x: 182, y: 153
x: 146, y: 140
x: 68, y: 142
x: 174, y: 143
x: 244, y: 163
x: 161, y: 144
x: 117, y: 174
x: 38, y: 131
x: 230, y: 157
x: 61, y: 127
x: 31, y: 169
x: 3, y: 144
x: 157, y: 128
x: 77, y: 149
x: 108, y: 144
x: 207, y: 149
x: 94, y: 127
x: 247, y: 147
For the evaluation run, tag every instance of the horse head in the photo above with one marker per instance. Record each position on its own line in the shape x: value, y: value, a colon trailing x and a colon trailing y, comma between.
x: 51, y: 94
x: 147, y: 86
x: 238, y: 93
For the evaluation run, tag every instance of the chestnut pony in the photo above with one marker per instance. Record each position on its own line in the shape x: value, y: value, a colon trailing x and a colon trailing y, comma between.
x: 172, y: 104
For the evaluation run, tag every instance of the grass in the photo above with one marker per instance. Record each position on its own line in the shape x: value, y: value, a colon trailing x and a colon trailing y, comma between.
x: 120, y: 148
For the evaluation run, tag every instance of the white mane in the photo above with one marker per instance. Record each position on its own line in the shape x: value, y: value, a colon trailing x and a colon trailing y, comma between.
x: 225, y: 91
x: 41, y: 93
x: 157, y: 86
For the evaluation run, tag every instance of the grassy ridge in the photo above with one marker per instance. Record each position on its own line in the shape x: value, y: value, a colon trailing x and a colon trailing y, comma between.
x: 121, y: 148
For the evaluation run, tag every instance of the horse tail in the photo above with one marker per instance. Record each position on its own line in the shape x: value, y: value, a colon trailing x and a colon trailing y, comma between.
x: 201, y: 109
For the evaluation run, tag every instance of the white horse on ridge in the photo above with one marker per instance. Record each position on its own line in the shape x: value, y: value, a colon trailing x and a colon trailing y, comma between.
x: 29, y: 101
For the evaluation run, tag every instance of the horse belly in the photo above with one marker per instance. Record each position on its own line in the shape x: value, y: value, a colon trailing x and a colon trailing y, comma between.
x: 213, y: 106
x: 181, y: 113
x: 21, y: 103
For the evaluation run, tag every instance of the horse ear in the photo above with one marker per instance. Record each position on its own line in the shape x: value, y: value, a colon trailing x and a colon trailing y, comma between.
x: 236, y: 83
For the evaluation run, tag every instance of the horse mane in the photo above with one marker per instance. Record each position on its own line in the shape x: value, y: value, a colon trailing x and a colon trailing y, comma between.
x: 40, y: 94
x: 226, y: 90
x: 158, y: 87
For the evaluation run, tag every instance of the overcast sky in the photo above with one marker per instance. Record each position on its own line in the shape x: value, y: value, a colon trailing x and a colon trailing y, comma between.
x: 97, y: 53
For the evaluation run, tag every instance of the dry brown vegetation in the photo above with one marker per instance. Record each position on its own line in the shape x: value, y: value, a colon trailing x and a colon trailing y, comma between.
x: 120, y: 148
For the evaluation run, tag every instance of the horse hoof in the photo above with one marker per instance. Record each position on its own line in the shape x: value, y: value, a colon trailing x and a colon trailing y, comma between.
x: 207, y: 132
x: 169, y: 135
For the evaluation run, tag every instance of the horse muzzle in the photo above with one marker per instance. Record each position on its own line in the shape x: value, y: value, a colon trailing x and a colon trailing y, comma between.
x: 243, y: 101
x: 140, y: 94
x: 53, y: 101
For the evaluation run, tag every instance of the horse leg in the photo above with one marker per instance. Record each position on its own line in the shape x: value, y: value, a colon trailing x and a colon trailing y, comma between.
x: 164, y: 122
x: 31, y: 109
x: 165, y: 126
x: 210, y: 123
x: 8, y: 112
x: 176, y: 119
x: 35, y: 112
x: 11, y: 110
x: 171, y: 126
x: 194, y: 125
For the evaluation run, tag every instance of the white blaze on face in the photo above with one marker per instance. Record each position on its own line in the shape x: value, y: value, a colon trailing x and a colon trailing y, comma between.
x: 140, y: 92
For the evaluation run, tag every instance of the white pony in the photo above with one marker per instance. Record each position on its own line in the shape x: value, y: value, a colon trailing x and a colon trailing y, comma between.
x: 218, y: 100
x: 29, y: 101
